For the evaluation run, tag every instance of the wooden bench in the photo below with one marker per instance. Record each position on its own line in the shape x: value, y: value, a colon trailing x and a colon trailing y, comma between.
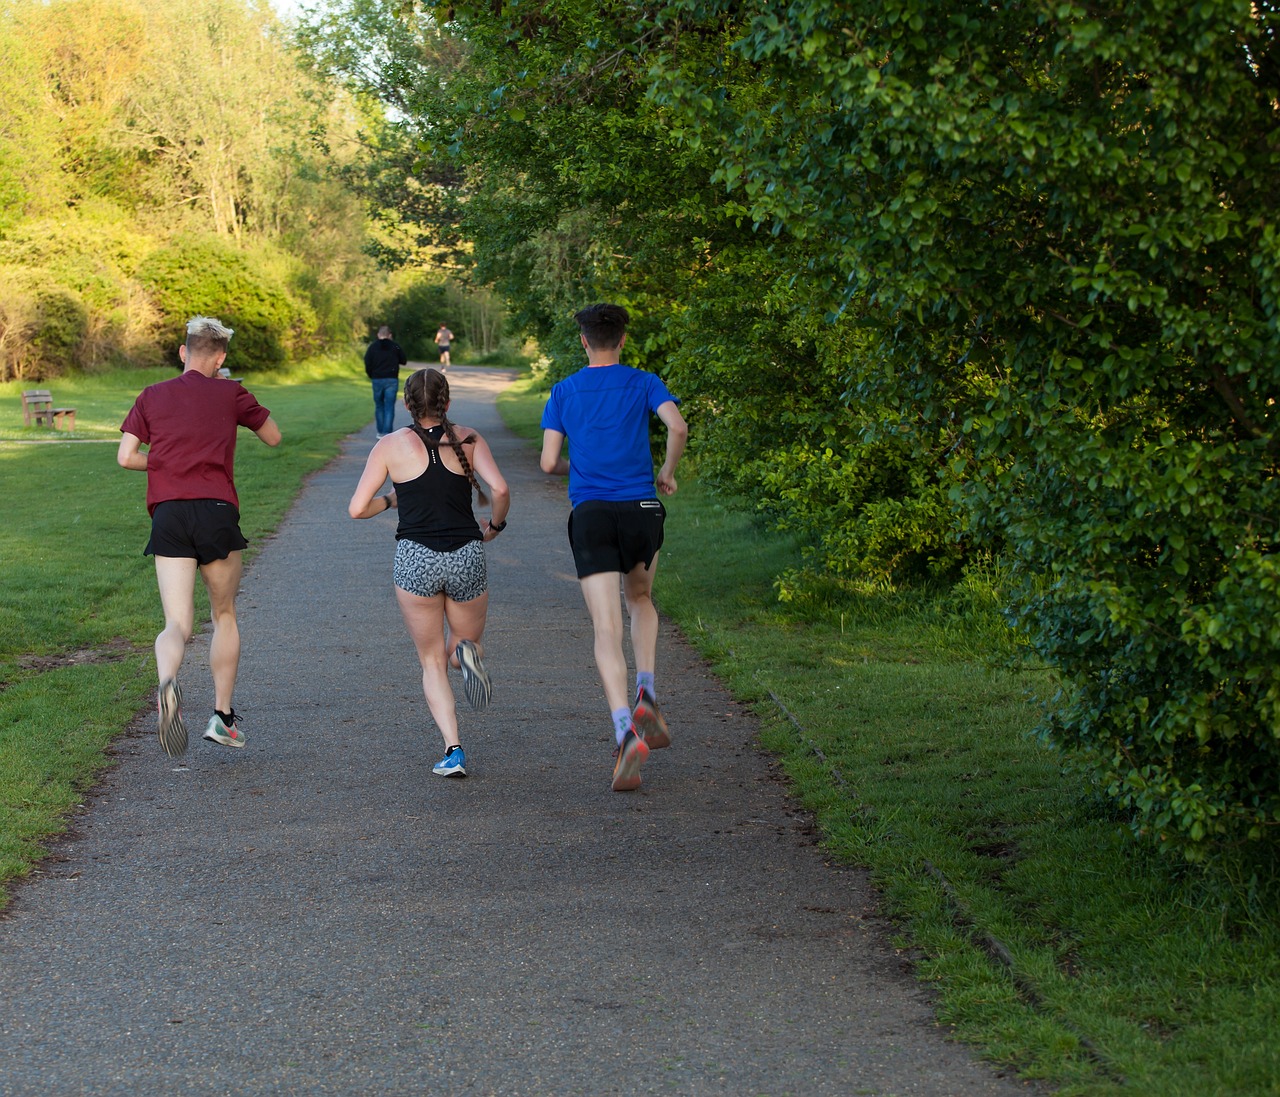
x: 37, y: 409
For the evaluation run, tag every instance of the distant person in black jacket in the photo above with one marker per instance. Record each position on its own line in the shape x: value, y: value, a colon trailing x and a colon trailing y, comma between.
x: 382, y: 362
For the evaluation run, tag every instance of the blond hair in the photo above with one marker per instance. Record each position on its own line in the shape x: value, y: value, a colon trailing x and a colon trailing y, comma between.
x: 205, y: 335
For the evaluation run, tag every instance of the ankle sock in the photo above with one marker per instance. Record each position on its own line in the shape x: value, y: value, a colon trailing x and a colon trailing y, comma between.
x: 621, y: 723
x: 644, y: 680
x: 456, y: 746
x: 228, y: 718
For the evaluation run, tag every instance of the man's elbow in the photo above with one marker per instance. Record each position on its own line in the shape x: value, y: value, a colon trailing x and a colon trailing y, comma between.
x: 548, y: 464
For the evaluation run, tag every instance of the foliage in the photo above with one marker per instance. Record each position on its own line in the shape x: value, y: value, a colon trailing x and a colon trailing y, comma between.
x: 1050, y: 228
x: 385, y: 54
x: 578, y: 187
x: 199, y: 276
x: 1074, y: 205
x: 128, y: 124
x: 90, y: 259
x: 42, y: 326
x: 410, y: 309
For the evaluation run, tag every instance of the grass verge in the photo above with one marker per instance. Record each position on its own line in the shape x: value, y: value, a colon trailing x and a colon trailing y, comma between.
x: 80, y: 611
x: 1052, y: 941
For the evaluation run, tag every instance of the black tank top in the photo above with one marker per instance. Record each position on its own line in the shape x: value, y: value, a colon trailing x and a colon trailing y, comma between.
x: 435, y: 508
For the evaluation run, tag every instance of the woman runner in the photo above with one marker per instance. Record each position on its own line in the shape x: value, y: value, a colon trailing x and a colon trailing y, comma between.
x: 440, y: 575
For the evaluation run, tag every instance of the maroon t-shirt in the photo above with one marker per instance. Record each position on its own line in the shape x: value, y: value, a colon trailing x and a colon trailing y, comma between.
x: 190, y: 424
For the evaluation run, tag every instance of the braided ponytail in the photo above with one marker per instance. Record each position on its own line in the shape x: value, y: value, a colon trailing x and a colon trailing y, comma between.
x: 426, y: 393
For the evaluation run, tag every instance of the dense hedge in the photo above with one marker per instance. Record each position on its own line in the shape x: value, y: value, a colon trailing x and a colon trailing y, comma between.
x: 202, y: 276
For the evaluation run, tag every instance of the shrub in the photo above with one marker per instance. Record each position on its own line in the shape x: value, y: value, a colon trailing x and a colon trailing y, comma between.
x: 201, y: 275
x: 43, y: 327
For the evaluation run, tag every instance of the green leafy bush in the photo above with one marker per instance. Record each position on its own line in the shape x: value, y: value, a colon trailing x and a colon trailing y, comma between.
x: 414, y: 309
x: 43, y: 326
x: 200, y: 275
x: 92, y: 257
x: 1057, y: 224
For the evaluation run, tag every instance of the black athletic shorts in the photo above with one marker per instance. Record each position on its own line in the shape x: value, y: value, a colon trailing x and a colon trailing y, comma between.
x: 610, y: 536
x: 203, y: 529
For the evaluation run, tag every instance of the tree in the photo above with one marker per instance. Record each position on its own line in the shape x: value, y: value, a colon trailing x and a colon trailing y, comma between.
x: 1060, y: 221
x: 1047, y: 232
x: 128, y: 123
x: 582, y: 183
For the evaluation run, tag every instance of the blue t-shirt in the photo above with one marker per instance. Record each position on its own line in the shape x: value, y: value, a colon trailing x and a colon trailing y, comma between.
x: 604, y: 412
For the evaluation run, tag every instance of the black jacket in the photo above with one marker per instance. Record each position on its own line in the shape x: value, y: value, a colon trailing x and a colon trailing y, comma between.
x: 384, y: 359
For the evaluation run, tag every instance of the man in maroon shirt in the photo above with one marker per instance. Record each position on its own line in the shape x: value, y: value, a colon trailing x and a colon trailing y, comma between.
x: 188, y: 425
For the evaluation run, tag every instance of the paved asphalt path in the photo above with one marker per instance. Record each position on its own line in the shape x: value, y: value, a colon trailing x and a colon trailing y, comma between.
x: 319, y: 914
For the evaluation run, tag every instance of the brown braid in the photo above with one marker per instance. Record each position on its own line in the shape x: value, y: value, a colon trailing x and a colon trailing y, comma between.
x: 426, y: 393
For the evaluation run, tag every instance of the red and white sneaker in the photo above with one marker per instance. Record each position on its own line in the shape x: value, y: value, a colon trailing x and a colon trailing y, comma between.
x: 632, y: 754
x: 649, y: 722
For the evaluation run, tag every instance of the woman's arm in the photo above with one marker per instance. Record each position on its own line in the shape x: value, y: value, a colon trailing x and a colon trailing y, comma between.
x: 365, y: 502
x: 499, y: 494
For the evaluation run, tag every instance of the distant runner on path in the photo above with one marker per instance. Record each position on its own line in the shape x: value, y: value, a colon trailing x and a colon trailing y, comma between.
x: 443, y: 338
x: 616, y: 525
x: 189, y: 426
x: 440, y: 573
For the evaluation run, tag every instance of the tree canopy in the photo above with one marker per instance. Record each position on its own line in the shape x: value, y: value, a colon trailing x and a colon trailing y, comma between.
x: 131, y: 129
x: 937, y: 284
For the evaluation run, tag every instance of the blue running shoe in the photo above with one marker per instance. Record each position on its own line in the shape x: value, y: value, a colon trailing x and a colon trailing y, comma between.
x: 475, y: 679
x: 453, y: 764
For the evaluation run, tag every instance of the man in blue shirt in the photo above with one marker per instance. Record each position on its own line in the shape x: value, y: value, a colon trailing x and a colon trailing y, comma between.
x: 616, y: 525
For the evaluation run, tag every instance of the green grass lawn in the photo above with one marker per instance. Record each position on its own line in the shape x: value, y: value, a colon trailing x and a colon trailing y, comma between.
x: 1053, y: 942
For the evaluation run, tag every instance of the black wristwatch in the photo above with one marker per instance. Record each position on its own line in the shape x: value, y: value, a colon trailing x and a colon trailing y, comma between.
x: 497, y: 527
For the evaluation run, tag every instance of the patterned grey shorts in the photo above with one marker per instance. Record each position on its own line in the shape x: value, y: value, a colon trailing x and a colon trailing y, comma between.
x: 459, y: 575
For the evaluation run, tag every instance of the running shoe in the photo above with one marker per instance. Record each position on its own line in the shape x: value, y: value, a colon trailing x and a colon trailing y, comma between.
x: 650, y: 725
x: 453, y: 764
x: 173, y: 732
x: 632, y: 754
x: 229, y: 735
x: 475, y: 679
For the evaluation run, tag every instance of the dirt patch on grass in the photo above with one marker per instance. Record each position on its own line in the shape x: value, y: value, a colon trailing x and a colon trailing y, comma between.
x: 111, y: 652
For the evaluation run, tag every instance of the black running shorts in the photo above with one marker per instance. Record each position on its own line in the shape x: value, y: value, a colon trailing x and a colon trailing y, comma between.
x: 201, y: 529
x: 612, y: 536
